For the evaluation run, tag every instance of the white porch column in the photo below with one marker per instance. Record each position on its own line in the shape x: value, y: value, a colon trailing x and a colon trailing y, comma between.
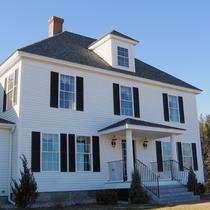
x: 173, y: 147
x: 129, y: 155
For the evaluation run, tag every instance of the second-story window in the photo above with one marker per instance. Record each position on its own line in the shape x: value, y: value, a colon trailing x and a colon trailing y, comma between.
x: 67, y: 92
x: 122, y: 56
x: 11, y: 90
x: 126, y: 101
x: 173, y: 108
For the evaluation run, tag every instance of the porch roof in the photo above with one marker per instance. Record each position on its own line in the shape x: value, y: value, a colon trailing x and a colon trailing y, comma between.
x: 141, y: 127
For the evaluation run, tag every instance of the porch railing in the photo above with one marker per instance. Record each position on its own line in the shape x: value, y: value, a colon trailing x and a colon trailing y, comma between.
x: 116, y: 171
x: 172, y: 170
x: 149, y: 179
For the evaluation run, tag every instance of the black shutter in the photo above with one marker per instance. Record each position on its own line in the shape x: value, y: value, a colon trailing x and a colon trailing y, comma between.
x: 35, y: 151
x: 136, y: 102
x: 181, y: 110
x: 63, y: 152
x: 195, y: 160
x: 5, y: 95
x: 80, y: 93
x: 54, y: 89
x: 96, y: 154
x: 180, y: 158
x: 116, y: 99
x: 165, y: 107
x: 159, y: 156
x: 71, y: 152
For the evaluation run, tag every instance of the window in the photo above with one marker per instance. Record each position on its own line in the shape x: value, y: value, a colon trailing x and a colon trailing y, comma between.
x: 126, y: 101
x: 187, y: 155
x: 67, y: 92
x: 122, y: 54
x: 166, y: 150
x: 11, y: 89
x: 83, y: 153
x: 173, y: 108
x: 50, y: 152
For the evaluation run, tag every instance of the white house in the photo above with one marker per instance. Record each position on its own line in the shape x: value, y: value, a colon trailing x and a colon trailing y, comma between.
x: 85, y: 111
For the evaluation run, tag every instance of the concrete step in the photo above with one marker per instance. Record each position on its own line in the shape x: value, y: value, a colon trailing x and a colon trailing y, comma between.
x: 173, y: 190
x: 175, y: 195
x: 181, y: 199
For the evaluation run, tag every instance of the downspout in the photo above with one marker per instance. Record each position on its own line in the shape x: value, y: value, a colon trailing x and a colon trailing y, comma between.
x: 10, y: 163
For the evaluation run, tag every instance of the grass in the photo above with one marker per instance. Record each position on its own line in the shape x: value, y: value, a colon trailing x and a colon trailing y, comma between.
x: 193, y: 206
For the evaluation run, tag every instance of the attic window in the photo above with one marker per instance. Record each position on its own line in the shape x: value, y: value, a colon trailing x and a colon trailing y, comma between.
x: 122, y: 54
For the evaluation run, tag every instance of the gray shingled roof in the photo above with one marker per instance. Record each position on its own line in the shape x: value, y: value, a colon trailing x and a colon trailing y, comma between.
x: 72, y: 47
x: 3, y: 121
x: 122, y: 35
x: 131, y: 121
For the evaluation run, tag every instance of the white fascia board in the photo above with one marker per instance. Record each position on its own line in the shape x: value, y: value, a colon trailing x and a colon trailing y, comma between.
x: 7, y: 126
x: 112, y: 130
x: 154, y: 129
x: 9, y: 62
x: 105, y: 72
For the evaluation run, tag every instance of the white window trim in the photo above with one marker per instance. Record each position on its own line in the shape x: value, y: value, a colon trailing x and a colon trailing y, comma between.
x: 131, y: 99
x: 187, y: 156
x: 127, y: 67
x: 12, y: 90
x: 91, y: 154
x: 75, y: 92
x: 172, y: 108
x: 59, y: 164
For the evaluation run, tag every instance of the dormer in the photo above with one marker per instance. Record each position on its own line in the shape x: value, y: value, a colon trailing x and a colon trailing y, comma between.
x: 117, y: 50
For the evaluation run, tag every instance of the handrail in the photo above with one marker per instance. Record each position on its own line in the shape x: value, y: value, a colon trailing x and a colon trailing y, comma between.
x: 171, y: 169
x: 149, y: 179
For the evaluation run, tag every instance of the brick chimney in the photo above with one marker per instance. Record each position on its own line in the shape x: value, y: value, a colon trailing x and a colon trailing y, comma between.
x: 55, y: 26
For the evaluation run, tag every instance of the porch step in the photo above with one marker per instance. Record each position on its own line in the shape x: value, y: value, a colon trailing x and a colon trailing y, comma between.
x: 176, y: 193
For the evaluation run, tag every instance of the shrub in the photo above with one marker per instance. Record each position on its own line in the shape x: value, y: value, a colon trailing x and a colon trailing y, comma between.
x: 200, y: 189
x: 192, y: 183
x: 137, y: 194
x: 106, y: 197
x: 25, y: 192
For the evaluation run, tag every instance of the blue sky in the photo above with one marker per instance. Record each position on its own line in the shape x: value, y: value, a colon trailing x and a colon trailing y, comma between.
x: 174, y: 35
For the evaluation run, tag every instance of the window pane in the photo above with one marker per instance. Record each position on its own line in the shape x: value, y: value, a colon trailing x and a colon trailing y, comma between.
x: 173, y: 108
x: 187, y: 155
x: 166, y: 149
x: 122, y: 56
x: 83, y: 153
x: 67, y: 92
x: 126, y: 101
x: 50, y: 154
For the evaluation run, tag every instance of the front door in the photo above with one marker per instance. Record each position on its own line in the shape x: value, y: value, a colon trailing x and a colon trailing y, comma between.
x: 124, y: 157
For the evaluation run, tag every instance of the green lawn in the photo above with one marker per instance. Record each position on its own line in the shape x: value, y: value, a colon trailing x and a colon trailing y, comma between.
x: 200, y: 206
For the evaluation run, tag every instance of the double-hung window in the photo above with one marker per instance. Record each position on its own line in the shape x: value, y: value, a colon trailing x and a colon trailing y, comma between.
x: 173, y: 108
x: 122, y: 55
x: 166, y: 150
x: 84, y: 153
x: 187, y: 155
x: 126, y: 101
x: 50, y: 152
x: 67, y: 92
x: 11, y: 89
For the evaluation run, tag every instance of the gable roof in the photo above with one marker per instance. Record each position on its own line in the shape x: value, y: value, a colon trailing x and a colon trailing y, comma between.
x: 131, y: 121
x: 3, y: 121
x: 116, y: 33
x: 73, y: 47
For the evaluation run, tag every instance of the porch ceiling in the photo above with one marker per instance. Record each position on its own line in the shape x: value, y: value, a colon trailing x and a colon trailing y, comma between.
x: 141, y: 129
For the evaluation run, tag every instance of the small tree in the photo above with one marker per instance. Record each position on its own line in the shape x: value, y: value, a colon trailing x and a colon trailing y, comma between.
x: 25, y: 192
x: 137, y: 194
x: 192, y: 183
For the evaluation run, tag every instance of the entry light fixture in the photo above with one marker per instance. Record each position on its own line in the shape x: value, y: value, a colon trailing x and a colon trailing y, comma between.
x: 114, y: 141
x: 145, y: 143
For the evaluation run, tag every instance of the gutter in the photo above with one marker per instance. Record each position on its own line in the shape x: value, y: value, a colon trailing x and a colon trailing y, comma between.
x: 12, y: 130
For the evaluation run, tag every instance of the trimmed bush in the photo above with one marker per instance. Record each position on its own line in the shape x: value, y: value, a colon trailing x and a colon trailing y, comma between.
x: 25, y: 191
x: 106, y: 197
x: 137, y: 194
x: 192, y: 183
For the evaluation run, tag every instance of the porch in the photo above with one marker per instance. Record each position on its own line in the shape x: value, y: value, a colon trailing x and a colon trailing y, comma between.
x: 154, y: 172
